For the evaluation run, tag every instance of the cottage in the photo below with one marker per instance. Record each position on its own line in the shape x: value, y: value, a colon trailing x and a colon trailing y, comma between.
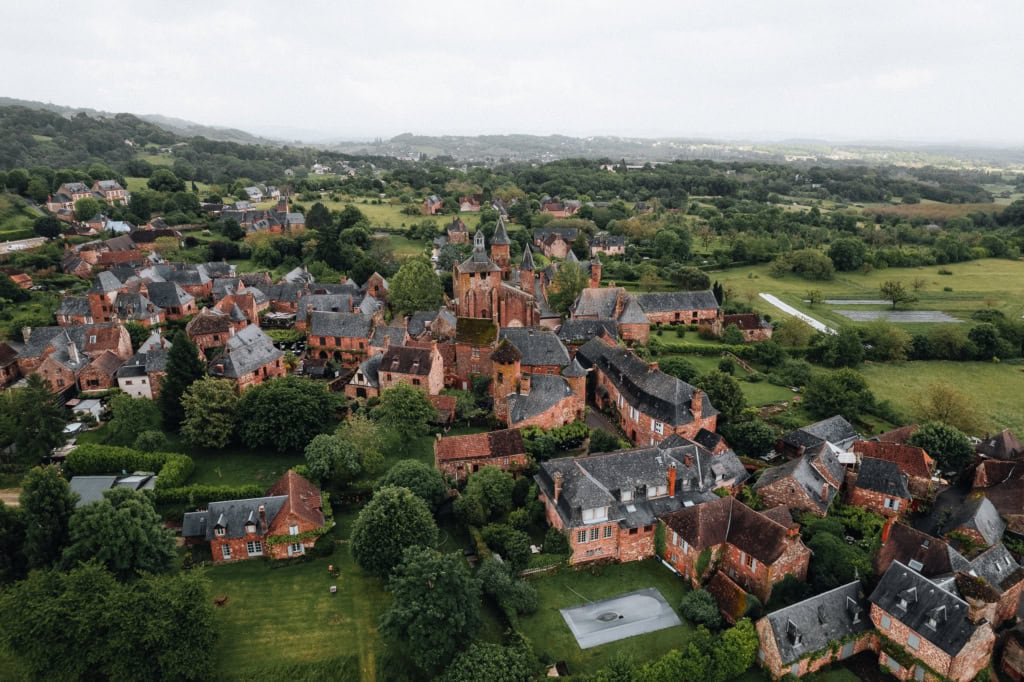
x: 816, y: 632
x: 680, y: 307
x: 753, y: 326
x: 835, y: 430
x: 142, y: 375
x: 526, y: 399
x: 175, y: 301
x: 456, y: 457
x: 541, y: 351
x: 211, y: 329
x: 249, y: 358
x: 808, y: 483
x: 931, y: 625
x: 420, y: 367
x: 617, y: 305
x: 340, y: 336
x: 878, y: 486
x: 608, y: 504
x: 754, y: 550
x: 913, y: 462
x: 610, y: 245
x: 283, y: 523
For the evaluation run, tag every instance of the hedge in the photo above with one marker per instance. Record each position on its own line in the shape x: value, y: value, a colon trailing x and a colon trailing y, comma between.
x: 199, y: 495
x: 172, y: 468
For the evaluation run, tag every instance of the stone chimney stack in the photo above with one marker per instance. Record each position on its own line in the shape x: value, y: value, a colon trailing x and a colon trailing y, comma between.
x: 524, y: 384
x: 697, y: 403
x: 558, y: 485
x: 672, y: 480
x: 73, y: 352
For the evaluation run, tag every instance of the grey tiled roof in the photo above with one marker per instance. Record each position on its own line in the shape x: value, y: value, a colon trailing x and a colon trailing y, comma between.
x: 168, y: 294
x: 91, y: 488
x: 232, y: 516
x: 288, y: 292
x: 418, y: 321
x: 598, y: 481
x: 599, y: 303
x: 998, y: 567
x: 652, y: 392
x: 104, y: 283
x: 77, y: 306
x: 135, y: 307
x: 500, y: 234
x: 632, y: 313
x: 537, y: 346
x: 370, y: 369
x: 677, y: 300
x: 580, y: 330
x: 545, y: 392
x: 805, y: 472
x: 245, y: 352
x: 914, y: 600
x: 344, y: 325
x: 882, y: 476
x: 407, y: 360
x: 816, y: 623
x: 981, y: 515
x: 332, y: 303
x: 527, y: 263
x: 395, y: 336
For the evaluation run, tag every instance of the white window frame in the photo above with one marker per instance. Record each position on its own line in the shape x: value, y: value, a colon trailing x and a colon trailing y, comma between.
x: 296, y: 549
x: 595, y: 514
x: 626, y: 495
x: 595, y: 533
x: 581, y: 536
x: 219, y: 532
x: 254, y: 548
x: 607, y: 534
x: 225, y: 551
x: 634, y: 413
x: 293, y: 530
x: 659, y: 428
x: 886, y: 622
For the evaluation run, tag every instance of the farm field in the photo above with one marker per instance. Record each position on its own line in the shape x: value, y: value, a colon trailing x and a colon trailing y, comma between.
x: 930, y: 210
x: 551, y: 637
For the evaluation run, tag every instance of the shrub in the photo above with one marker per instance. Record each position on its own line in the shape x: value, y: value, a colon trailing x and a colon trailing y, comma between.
x: 150, y: 441
x: 201, y: 494
x: 513, y: 545
x: 90, y: 458
x: 175, y: 471
x: 700, y: 608
x: 555, y: 542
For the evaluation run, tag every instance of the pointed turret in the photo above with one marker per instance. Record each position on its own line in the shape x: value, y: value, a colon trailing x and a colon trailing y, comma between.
x: 500, y: 234
x: 527, y: 263
x: 479, y: 242
x: 500, y: 244
x: 571, y: 257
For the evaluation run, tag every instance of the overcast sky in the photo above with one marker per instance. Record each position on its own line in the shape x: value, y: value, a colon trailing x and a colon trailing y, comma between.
x: 896, y: 70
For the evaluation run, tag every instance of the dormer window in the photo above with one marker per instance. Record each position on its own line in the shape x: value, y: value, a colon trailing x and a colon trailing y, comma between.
x: 219, y: 531
x: 250, y: 528
x: 626, y: 496
x: 595, y: 514
x: 657, y: 491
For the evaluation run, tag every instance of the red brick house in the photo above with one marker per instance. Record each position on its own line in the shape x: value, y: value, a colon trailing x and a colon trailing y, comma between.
x: 456, y: 457
x: 457, y: 232
x: 753, y: 326
x: 420, y: 367
x: 432, y: 205
x: 811, y: 634
x: 680, y: 307
x: 608, y: 504
x: 74, y: 311
x: 249, y: 358
x: 175, y: 301
x: 525, y: 399
x: 808, y: 483
x: 913, y: 462
x: 649, y: 405
x: 9, y: 372
x: 211, y: 329
x: 342, y: 336
x: 541, y: 351
x: 101, y: 373
x: 474, y: 341
x: 878, y: 486
x: 942, y: 633
x: 617, y: 305
x: 755, y: 551
x: 478, y: 289
x: 269, y: 526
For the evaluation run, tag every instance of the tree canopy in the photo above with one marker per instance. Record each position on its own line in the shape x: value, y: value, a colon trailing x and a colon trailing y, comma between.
x: 211, y: 413
x: 31, y: 420
x: 393, y: 520
x: 949, y: 446
x: 130, y: 417
x: 47, y: 504
x: 725, y: 394
x: 405, y: 410
x: 422, y: 479
x: 842, y: 391
x: 184, y: 366
x: 415, y: 287
x: 329, y: 458
x: 565, y: 288
x: 284, y: 413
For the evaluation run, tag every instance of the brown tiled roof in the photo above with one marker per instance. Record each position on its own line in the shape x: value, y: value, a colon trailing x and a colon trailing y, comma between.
x: 782, y: 516
x: 108, y: 337
x: 7, y: 354
x: 445, y: 406
x: 407, y: 360
x: 899, y: 435
x: 906, y: 544
x: 303, y: 497
x: 730, y: 597
x: 993, y: 471
x: 729, y: 520
x: 911, y: 460
x: 208, y: 322
x: 745, y: 321
x: 504, y: 443
x: 506, y: 353
x: 106, y: 363
x: 1004, y: 445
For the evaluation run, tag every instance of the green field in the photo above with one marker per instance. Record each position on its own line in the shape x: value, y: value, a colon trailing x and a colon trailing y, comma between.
x: 15, y: 220
x: 237, y: 466
x: 996, y: 387
x: 551, y: 637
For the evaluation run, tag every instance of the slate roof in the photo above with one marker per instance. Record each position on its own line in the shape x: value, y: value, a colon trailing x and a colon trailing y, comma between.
x: 143, y: 362
x: 928, y: 555
x: 677, y: 300
x: 105, y: 283
x: 478, y: 261
x: 208, y: 321
x: 500, y: 234
x: 245, y: 352
x: 566, y: 233
x: 652, y: 392
x: 574, y: 370
x: 407, y: 360
x: 539, y: 347
x: 998, y: 567
x: 807, y: 473
x: 581, y: 330
x: 882, y: 477
x: 605, y: 240
x: 332, y: 303
x: 527, y: 263
x: 598, y: 481
x: 286, y: 292
x: 729, y: 520
x: 914, y: 600
x: 506, y: 353
x: 632, y: 313
x: 546, y: 391
x: 475, y: 331
x: 343, y: 325
x: 503, y: 443
x: 299, y: 275
x: 911, y: 460
x: 75, y: 306
x: 1004, y: 445
x: 816, y: 623
x: 599, y: 302
x: 392, y: 336
x: 419, y: 321
x: 978, y: 514
x: 232, y: 516
x: 835, y: 430
x: 168, y: 294
x: 91, y: 488
x: 370, y: 369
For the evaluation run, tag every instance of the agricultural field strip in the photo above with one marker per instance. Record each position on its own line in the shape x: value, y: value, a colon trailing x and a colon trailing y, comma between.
x: 786, y: 308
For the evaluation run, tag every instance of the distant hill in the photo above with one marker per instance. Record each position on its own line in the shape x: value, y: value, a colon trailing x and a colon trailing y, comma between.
x: 177, y: 126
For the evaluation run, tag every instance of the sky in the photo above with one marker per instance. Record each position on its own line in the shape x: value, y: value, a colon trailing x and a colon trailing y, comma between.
x: 846, y: 71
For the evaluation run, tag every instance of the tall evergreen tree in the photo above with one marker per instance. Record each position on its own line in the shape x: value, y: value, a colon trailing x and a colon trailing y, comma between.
x: 47, y: 503
x: 31, y: 420
x: 184, y: 366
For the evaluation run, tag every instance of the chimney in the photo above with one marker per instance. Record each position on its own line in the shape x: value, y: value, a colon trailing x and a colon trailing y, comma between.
x: 26, y: 332
x: 824, y: 491
x: 263, y: 518
x: 558, y: 485
x: 887, y: 529
x: 697, y: 403
x: 524, y: 385
x: 652, y: 367
x: 73, y: 352
x: 672, y: 480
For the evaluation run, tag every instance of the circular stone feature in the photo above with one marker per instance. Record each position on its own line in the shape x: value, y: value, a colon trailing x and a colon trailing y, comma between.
x: 608, y: 616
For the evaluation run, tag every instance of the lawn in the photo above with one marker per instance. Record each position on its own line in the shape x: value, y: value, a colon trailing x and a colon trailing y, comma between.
x: 757, y: 394
x: 551, y: 637
x: 240, y: 466
x: 987, y: 283
x: 995, y: 386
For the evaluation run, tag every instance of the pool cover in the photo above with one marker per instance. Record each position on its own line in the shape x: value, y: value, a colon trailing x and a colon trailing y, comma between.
x: 628, y: 615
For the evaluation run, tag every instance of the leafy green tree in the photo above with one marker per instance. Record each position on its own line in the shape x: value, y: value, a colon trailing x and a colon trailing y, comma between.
x: 735, y: 650
x: 725, y: 394
x: 130, y: 417
x: 17, y: 180
x: 733, y: 335
x: 330, y: 458
x: 30, y: 420
x: 405, y: 410
x: 47, y: 226
x: 700, y: 608
x: 843, y: 391
x: 365, y: 435
x: 232, y: 230
x: 944, y: 402
x: 501, y: 583
x: 436, y: 607
x: 895, y: 292
x: 184, y: 366
x: 793, y: 332
x: 211, y: 413
x: 565, y: 288
x: 603, y: 441
x: 842, y: 349
x: 492, y: 662
x: 151, y: 441
x: 124, y: 533
x: 948, y: 445
x: 680, y: 368
x: 12, y: 539
x: 487, y: 496
x: 888, y: 342
x: 47, y: 504
x: 687, y: 278
x: 847, y: 254
x: 422, y: 479
x: 415, y: 287
x: 751, y: 438
x: 138, y: 334
x: 284, y: 413
x: 513, y: 545
x: 318, y: 216
x: 164, y: 180
x: 393, y: 520
x: 86, y: 208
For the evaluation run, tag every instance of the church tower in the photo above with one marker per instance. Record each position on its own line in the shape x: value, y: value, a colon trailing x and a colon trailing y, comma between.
x: 500, y: 244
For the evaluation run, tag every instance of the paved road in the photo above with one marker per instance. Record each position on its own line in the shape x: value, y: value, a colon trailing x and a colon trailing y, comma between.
x: 786, y: 308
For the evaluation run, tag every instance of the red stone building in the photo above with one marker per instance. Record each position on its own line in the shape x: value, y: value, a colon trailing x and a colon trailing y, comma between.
x: 755, y: 551
x: 944, y: 636
x: 340, y: 336
x: 420, y: 367
x: 617, y: 305
x: 681, y: 307
x: 608, y: 504
x: 878, y: 486
x: 649, y: 405
x: 808, y: 483
x: 268, y: 526
x: 474, y: 341
x: 753, y: 326
x: 249, y: 358
x: 101, y: 373
x: 456, y: 457
x: 8, y: 365
x: 913, y: 462
x: 478, y: 289
x: 432, y: 205
x: 457, y: 232
x: 525, y: 399
x: 211, y: 329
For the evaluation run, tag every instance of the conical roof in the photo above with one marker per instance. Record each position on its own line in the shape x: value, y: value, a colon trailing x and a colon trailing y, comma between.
x: 506, y: 353
x: 574, y: 370
x: 527, y: 263
x: 571, y: 257
x: 500, y: 234
x: 632, y: 313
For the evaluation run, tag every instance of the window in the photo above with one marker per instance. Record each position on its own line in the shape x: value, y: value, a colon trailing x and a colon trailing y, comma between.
x: 750, y: 562
x: 634, y: 531
x: 128, y: 382
x: 657, y: 491
x: 475, y: 353
x: 595, y: 514
x: 659, y: 428
x: 594, y: 533
x: 675, y: 538
x: 634, y: 414
x: 296, y: 548
x: 415, y: 382
x: 607, y: 532
x: 216, y: 337
x: 254, y: 548
x: 225, y: 551
x: 293, y: 530
x: 581, y: 536
x: 250, y: 528
x: 886, y: 622
x: 627, y: 495
x: 219, y: 532
x: 913, y: 641
x: 92, y: 338
x: 621, y: 401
